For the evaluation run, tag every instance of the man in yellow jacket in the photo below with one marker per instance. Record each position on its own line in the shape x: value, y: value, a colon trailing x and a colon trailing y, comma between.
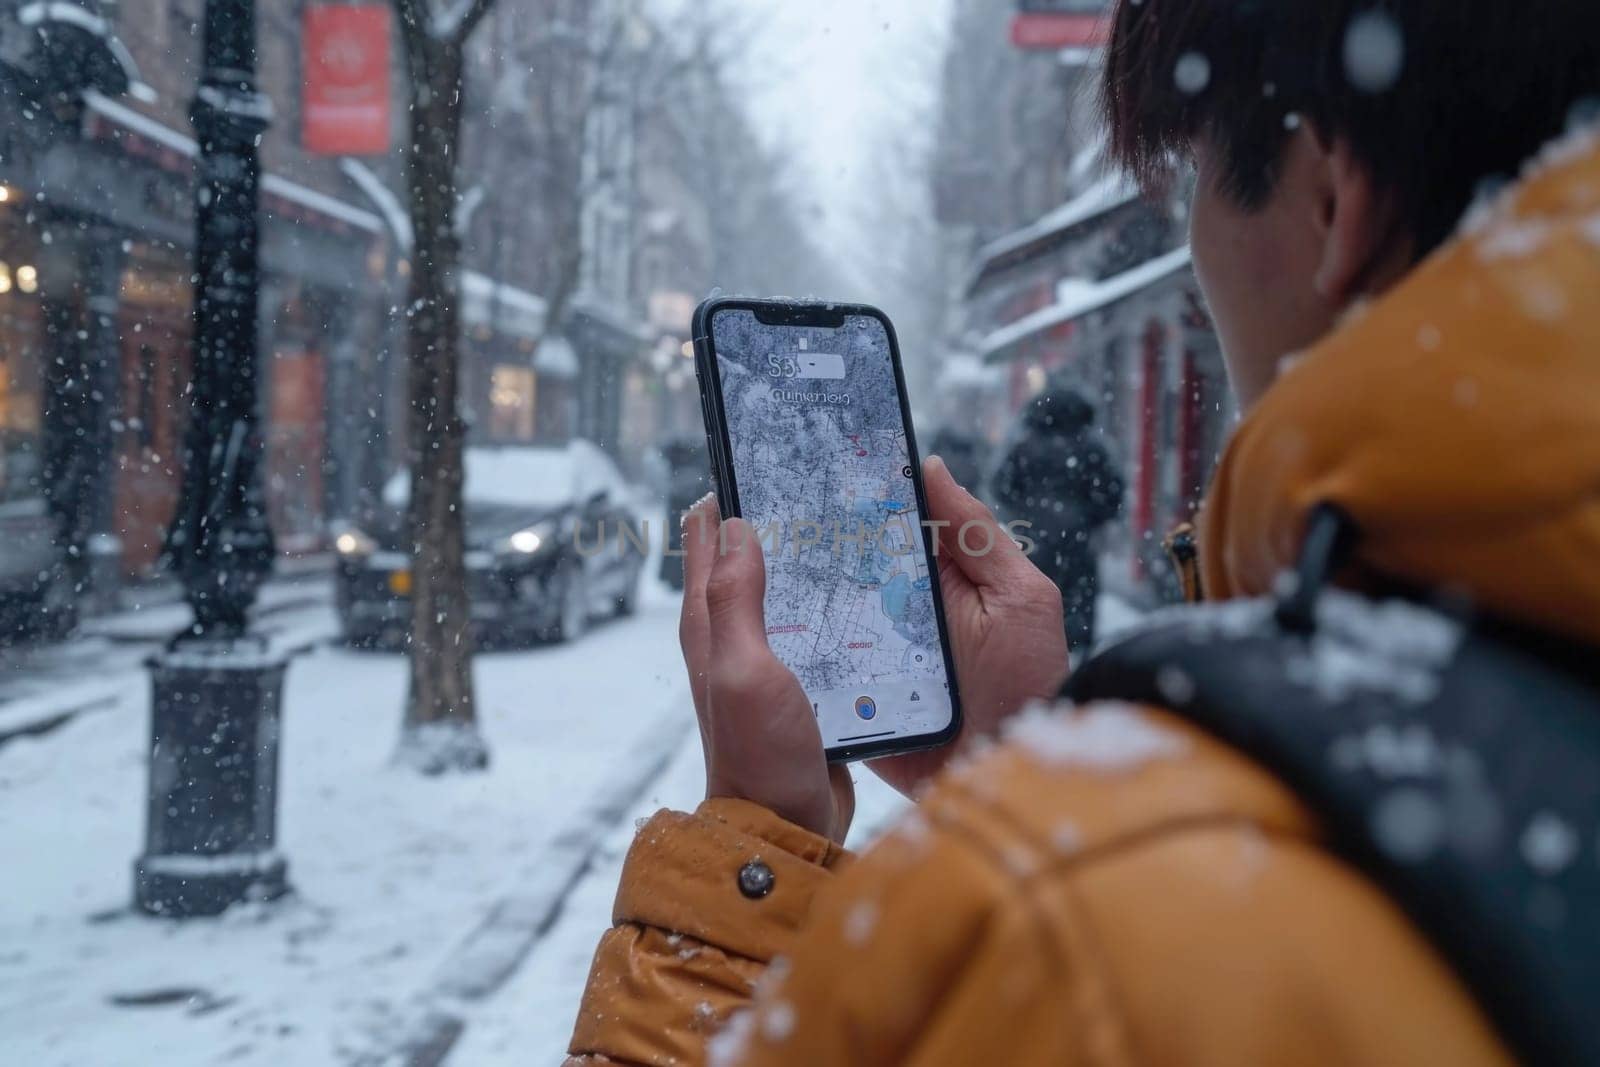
x: 1122, y: 883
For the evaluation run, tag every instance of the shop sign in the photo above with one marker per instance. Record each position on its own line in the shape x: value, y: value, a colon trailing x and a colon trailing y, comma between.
x: 346, y: 103
x: 1051, y: 25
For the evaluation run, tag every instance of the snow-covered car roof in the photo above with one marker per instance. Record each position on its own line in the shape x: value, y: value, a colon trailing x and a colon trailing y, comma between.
x: 526, y: 476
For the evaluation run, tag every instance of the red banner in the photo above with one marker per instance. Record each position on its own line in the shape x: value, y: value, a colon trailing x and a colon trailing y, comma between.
x: 346, y: 95
x: 1052, y: 31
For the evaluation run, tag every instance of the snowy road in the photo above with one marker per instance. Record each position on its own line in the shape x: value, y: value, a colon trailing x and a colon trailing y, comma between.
x: 41, y: 683
x: 392, y: 871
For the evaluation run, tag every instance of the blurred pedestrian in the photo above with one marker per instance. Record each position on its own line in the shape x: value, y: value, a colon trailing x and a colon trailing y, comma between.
x: 963, y: 453
x: 1059, y: 478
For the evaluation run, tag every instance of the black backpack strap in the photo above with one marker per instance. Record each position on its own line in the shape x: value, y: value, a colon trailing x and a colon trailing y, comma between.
x: 1458, y: 768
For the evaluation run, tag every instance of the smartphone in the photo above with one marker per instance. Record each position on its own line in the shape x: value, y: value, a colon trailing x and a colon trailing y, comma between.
x: 810, y: 439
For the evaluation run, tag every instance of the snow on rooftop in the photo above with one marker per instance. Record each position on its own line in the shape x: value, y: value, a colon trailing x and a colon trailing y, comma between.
x: 161, y: 134
x: 1086, y: 159
x: 557, y: 358
x: 486, y: 302
x: 967, y: 371
x: 1106, y: 194
x: 1077, y: 297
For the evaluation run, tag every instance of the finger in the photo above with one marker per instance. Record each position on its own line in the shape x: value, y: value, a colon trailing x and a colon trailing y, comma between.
x: 974, y: 541
x: 735, y: 591
x: 744, y: 673
x: 763, y: 741
x: 700, y: 524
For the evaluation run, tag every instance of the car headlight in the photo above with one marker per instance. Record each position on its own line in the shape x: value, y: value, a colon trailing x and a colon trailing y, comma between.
x: 351, y: 542
x: 531, y: 541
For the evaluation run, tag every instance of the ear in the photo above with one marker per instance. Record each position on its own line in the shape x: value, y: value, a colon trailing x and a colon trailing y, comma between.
x: 1357, y: 224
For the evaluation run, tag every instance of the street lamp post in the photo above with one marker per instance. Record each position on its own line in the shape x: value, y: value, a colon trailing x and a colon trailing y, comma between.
x: 216, y: 689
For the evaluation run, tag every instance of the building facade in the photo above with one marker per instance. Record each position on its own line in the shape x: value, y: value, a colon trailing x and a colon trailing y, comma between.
x: 96, y: 291
x: 1094, y: 293
x: 96, y: 327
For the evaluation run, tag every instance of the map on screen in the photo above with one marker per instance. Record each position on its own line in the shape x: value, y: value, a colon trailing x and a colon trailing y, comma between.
x: 823, y: 473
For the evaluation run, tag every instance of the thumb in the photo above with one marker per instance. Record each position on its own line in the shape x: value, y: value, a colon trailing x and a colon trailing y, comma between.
x: 736, y: 590
x: 969, y: 536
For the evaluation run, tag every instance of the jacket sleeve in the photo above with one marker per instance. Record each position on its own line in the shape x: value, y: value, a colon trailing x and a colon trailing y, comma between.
x: 687, y: 944
x: 929, y: 952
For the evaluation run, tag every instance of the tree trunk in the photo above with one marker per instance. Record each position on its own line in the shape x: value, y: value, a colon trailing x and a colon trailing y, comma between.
x: 440, y: 732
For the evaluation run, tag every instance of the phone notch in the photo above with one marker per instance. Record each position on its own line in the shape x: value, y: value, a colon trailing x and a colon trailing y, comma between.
x: 820, y: 315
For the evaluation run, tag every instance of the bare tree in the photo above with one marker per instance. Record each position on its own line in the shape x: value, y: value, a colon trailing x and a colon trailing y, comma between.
x: 556, y: 69
x: 760, y: 235
x: 440, y: 731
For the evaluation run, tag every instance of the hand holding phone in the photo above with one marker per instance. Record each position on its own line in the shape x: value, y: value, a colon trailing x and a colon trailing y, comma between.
x: 811, y: 441
x: 760, y: 739
x: 998, y: 618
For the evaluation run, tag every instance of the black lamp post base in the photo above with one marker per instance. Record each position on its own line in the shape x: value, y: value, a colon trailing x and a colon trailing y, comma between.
x: 182, y: 887
x: 212, y: 826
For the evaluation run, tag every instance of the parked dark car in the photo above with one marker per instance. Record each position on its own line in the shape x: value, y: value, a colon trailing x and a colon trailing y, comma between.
x: 545, y: 552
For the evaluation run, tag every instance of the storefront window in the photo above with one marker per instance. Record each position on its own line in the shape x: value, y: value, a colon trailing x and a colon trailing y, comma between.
x: 21, y: 333
x: 19, y: 430
x: 512, y: 393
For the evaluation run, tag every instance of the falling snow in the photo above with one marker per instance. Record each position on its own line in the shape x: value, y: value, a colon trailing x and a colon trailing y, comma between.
x: 777, y: 1021
x: 1374, y: 51
x: 1193, y: 73
x: 860, y: 921
x: 1549, y: 844
x: 727, y: 1047
x: 348, y: 420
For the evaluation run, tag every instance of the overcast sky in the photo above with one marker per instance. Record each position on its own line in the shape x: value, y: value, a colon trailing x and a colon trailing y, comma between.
x: 844, y: 86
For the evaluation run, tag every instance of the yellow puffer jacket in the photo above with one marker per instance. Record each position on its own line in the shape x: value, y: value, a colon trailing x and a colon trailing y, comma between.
x: 1111, y: 886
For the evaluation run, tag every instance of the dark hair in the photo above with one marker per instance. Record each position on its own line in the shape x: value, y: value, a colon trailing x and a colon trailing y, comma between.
x: 1433, y: 96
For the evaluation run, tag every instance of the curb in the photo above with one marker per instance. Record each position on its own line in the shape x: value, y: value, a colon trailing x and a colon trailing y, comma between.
x: 492, y: 952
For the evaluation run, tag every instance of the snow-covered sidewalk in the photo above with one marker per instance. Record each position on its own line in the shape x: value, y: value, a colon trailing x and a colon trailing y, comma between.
x: 397, y: 877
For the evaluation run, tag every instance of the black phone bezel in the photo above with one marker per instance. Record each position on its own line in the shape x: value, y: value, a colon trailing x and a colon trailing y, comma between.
x: 720, y: 449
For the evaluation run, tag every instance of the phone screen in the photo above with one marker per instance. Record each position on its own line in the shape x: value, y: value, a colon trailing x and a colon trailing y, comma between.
x: 822, y: 467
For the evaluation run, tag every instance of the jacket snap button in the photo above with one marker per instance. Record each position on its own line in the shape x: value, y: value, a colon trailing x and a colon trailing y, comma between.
x: 755, y: 879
